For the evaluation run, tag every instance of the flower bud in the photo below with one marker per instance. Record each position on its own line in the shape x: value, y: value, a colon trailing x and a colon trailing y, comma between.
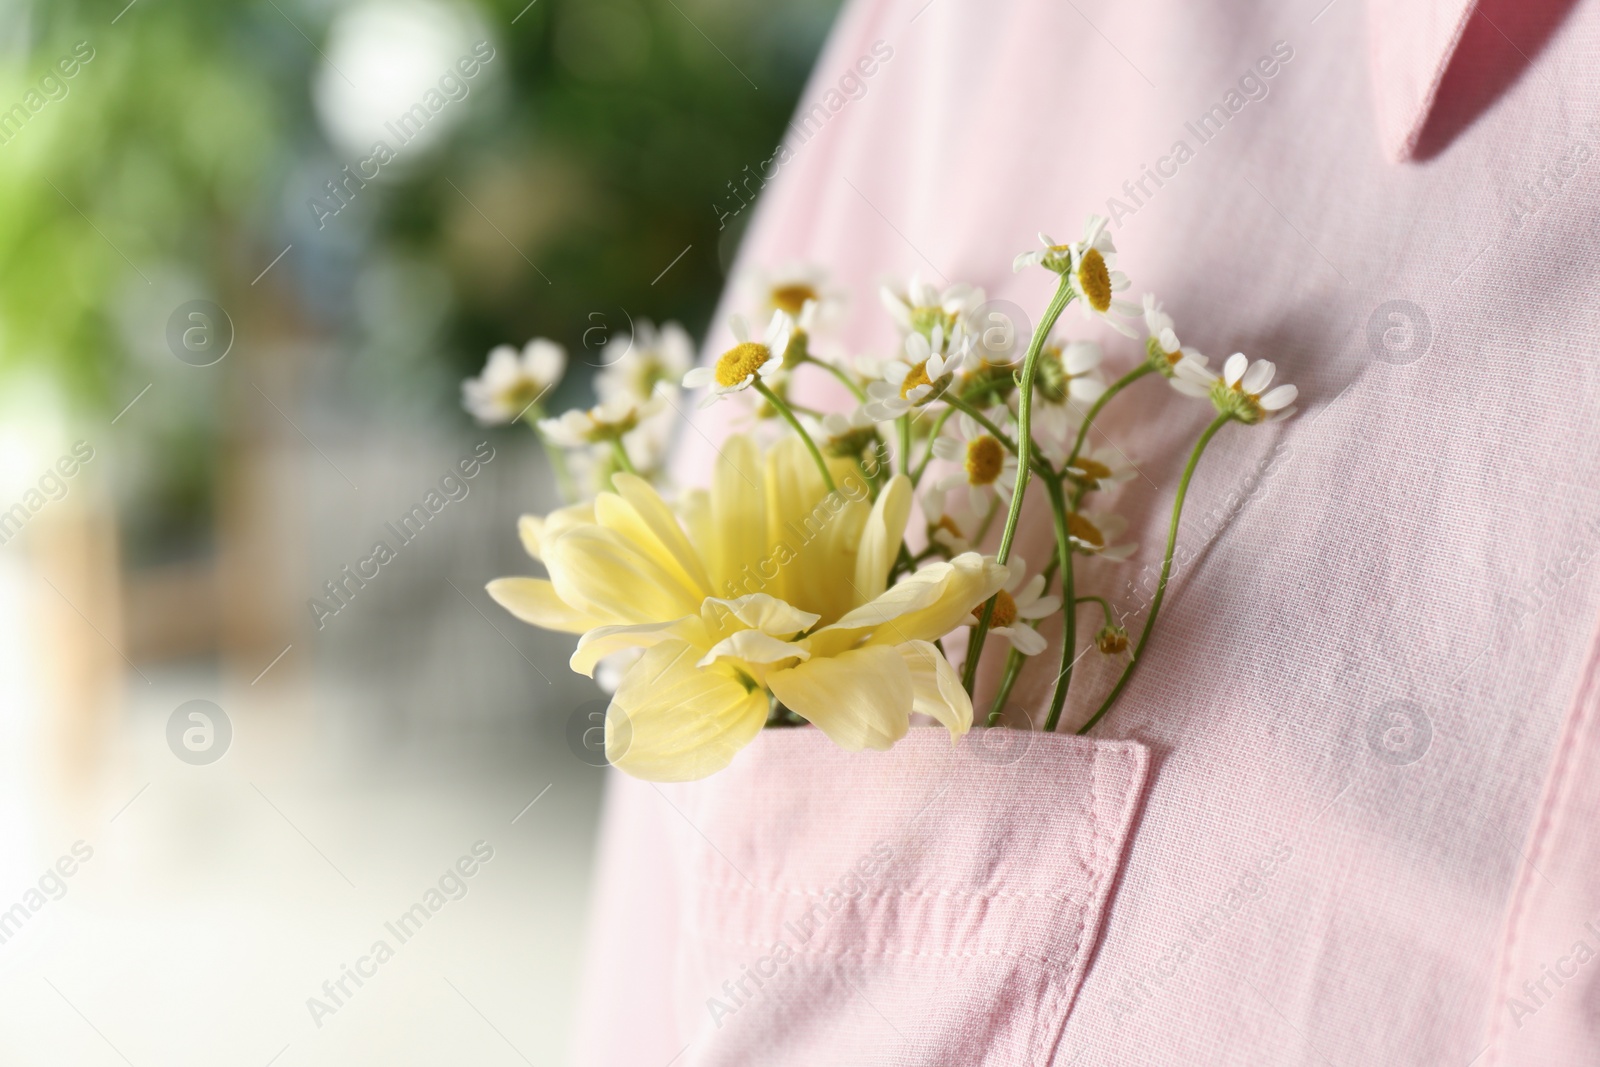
x: 1112, y: 640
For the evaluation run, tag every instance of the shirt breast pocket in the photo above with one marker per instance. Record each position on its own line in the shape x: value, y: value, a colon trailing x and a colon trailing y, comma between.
x: 927, y: 905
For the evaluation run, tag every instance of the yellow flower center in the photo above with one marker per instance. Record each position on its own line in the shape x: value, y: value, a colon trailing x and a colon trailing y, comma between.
x: 948, y: 525
x: 1092, y: 470
x: 1084, y: 530
x: 1005, y: 611
x: 792, y: 298
x: 740, y: 362
x: 918, y: 376
x: 984, y: 460
x: 521, y: 395
x: 1094, y: 279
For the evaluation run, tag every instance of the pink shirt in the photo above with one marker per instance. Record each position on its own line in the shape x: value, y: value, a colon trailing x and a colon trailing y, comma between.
x: 1345, y: 812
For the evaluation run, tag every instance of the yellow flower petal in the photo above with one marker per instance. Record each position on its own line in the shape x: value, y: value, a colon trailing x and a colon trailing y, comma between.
x: 694, y: 507
x: 620, y: 517
x: 663, y: 524
x: 754, y: 648
x: 757, y: 611
x: 535, y: 531
x: 860, y: 699
x: 534, y: 600
x: 922, y: 607
x: 602, y: 641
x: 814, y: 533
x: 969, y: 581
x: 600, y: 572
x: 670, y: 721
x: 530, y: 530
x: 936, y: 688
x: 880, y: 541
x: 738, y: 511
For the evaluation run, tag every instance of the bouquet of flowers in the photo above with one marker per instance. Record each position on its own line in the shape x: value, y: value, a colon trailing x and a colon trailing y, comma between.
x: 790, y: 591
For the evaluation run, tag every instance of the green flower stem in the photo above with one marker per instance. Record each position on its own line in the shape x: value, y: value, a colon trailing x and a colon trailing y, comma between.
x: 1104, y: 606
x: 1030, y: 367
x: 1069, y: 636
x: 789, y: 416
x: 839, y: 373
x: 1008, y: 681
x: 1166, y: 571
x: 621, y: 453
x: 1094, y: 409
x: 905, y: 444
x: 558, y: 459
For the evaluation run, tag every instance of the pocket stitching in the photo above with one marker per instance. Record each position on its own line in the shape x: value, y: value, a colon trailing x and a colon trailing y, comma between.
x: 1052, y: 1030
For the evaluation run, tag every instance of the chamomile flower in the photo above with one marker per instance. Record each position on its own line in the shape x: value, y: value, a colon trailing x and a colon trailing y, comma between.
x: 740, y: 366
x: 1164, y: 352
x: 1095, y: 281
x: 1052, y: 256
x: 1242, y: 393
x: 924, y: 310
x: 1101, y: 468
x: 986, y: 466
x: 632, y: 366
x: 1092, y: 534
x: 1065, y: 383
x: 1019, y: 602
x: 511, y: 383
x: 1088, y: 266
x: 605, y: 422
x: 791, y: 288
x: 912, y: 380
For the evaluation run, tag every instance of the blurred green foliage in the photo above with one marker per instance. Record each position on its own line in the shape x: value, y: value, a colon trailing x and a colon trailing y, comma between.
x: 617, y: 126
x: 180, y: 158
x: 155, y: 154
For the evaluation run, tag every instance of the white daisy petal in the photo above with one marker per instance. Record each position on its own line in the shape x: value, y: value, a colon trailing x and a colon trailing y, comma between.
x: 1258, y: 377
x: 1027, y: 640
x: 1279, y: 398
x: 1234, y: 368
x: 1042, y: 608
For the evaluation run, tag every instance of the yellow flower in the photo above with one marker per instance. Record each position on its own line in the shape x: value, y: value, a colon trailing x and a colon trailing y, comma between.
x: 769, y: 585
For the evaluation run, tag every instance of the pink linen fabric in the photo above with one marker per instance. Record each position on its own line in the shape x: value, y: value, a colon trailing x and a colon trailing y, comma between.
x: 1411, y: 45
x: 956, y: 889
x: 1370, y: 705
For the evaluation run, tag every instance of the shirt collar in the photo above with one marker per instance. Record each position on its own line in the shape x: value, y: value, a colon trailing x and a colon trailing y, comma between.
x: 1410, y: 44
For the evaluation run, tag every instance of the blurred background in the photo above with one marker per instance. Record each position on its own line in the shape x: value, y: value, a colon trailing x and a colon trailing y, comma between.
x: 231, y: 340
